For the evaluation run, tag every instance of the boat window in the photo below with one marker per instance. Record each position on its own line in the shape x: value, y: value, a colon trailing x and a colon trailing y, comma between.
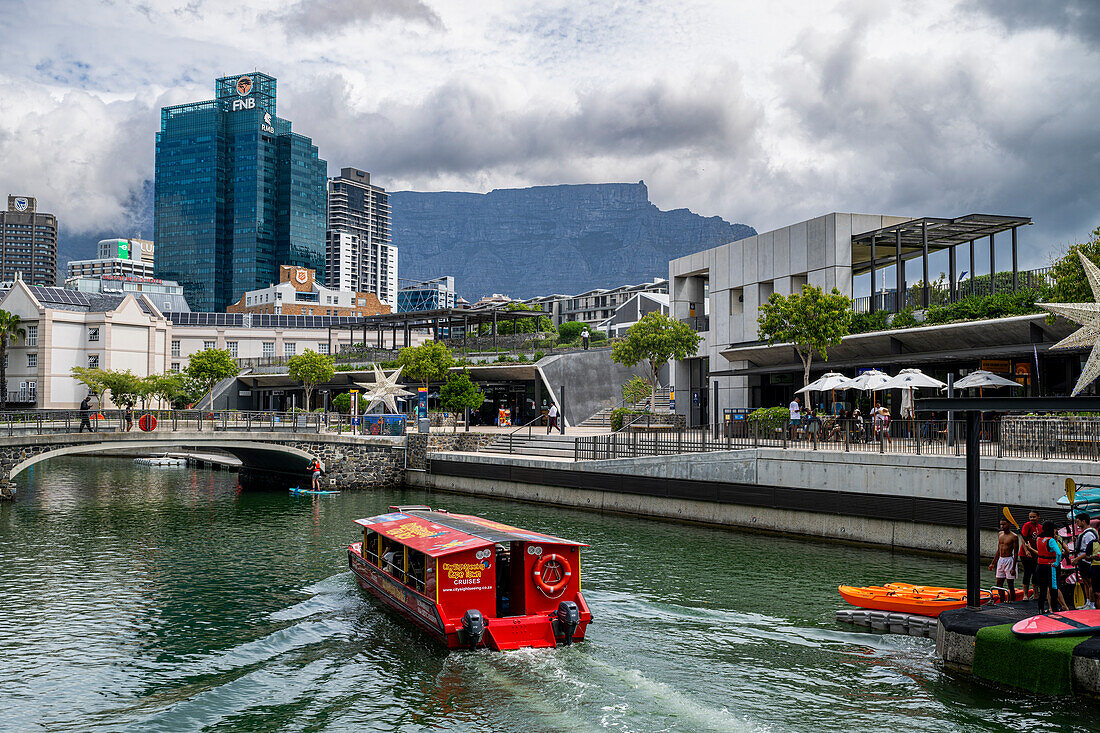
x: 370, y: 546
x: 417, y: 562
x: 393, y: 558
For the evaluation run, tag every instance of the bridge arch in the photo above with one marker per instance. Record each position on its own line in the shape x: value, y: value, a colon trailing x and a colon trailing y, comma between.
x: 276, y: 457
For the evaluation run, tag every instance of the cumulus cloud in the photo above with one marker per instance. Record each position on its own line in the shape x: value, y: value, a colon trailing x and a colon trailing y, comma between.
x: 320, y: 17
x: 761, y: 113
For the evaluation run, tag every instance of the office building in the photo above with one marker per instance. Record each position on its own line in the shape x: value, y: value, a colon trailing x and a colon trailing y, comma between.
x: 165, y: 294
x: 358, y: 254
x: 28, y: 242
x: 299, y: 294
x: 883, y: 263
x: 428, y: 295
x: 237, y: 194
x: 117, y: 257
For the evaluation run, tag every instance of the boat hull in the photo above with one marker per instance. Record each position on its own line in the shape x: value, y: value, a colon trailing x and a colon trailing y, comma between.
x: 513, y: 632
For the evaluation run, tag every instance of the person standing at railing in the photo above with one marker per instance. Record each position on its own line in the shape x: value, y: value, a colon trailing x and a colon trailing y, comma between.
x: 129, y: 415
x: 86, y: 414
x: 796, y: 417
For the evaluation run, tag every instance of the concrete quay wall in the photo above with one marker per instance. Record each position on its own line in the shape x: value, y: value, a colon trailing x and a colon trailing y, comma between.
x: 912, y: 502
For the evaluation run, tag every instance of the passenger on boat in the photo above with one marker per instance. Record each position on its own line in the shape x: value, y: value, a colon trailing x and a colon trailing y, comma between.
x: 429, y: 580
x: 389, y: 560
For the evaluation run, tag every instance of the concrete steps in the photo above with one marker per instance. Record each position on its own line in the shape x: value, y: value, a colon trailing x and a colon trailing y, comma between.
x: 602, y: 419
x: 539, y: 443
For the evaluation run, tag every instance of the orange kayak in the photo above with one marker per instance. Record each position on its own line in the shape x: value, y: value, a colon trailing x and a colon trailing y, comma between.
x: 924, y: 600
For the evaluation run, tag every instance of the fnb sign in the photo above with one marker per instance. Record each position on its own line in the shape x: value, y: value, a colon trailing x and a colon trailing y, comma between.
x: 248, y: 103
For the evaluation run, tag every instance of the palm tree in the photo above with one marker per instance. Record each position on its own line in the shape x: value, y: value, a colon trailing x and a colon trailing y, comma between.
x: 10, y: 331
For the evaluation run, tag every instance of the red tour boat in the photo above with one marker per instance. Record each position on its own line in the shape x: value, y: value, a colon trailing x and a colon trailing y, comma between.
x: 471, y: 582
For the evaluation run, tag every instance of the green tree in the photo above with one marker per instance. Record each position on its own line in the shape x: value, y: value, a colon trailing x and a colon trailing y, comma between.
x: 311, y: 369
x: 527, y: 325
x: 1068, y: 283
x: 174, y: 388
x: 123, y: 385
x: 11, y: 331
x: 655, y: 339
x: 342, y: 403
x: 636, y: 390
x: 209, y: 367
x: 570, y: 332
x: 426, y: 363
x: 92, y: 379
x: 460, y: 394
x: 811, y: 321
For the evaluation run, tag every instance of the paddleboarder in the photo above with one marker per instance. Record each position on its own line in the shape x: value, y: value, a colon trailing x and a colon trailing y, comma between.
x: 315, y: 467
x: 1049, y: 552
x: 1008, y: 549
x: 1029, y: 533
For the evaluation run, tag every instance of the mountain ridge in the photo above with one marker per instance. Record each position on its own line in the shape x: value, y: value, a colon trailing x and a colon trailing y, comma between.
x: 538, y: 240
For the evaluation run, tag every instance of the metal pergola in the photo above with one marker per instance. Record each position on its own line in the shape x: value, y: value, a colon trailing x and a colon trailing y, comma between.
x: 442, y: 321
x: 919, y: 237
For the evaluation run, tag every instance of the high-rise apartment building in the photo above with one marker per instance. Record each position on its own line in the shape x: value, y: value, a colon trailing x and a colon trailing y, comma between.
x: 28, y: 242
x: 237, y: 194
x: 358, y: 253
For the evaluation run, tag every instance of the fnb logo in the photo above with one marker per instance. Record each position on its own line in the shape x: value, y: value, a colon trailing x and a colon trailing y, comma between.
x: 247, y: 103
x: 244, y: 86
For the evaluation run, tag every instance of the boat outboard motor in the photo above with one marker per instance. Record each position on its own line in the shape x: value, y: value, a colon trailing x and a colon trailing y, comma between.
x: 569, y: 617
x: 473, y: 623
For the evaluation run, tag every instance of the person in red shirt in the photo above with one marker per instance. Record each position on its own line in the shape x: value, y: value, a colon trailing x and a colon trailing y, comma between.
x: 1029, y: 533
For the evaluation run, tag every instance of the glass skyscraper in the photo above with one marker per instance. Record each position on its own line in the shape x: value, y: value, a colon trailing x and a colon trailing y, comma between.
x: 236, y: 194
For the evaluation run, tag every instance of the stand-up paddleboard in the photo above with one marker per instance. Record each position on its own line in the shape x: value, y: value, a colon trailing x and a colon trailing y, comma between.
x: 312, y: 492
x: 1067, y: 623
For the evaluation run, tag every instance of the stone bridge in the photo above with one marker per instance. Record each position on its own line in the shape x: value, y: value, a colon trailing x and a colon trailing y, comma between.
x: 351, y: 462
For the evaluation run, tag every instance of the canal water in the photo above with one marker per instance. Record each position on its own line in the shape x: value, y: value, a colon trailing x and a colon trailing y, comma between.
x: 166, y: 599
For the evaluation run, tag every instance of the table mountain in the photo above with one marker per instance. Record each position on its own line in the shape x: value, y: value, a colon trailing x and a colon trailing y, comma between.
x: 547, y: 239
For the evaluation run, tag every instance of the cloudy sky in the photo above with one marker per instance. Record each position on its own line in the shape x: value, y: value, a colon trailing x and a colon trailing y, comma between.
x: 762, y: 113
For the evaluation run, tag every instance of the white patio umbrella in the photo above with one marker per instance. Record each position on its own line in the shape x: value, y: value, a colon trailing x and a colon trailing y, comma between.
x: 869, y: 380
x: 908, y: 380
x: 827, y: 383
x: 980, y: 379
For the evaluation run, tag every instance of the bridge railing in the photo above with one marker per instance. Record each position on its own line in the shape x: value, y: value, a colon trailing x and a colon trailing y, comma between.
x: 45, y: 422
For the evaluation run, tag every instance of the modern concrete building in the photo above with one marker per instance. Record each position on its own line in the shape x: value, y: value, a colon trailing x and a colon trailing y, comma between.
x: 594, y: 306
x: 237, y: 194
x: 719, y: 292
x: 28, y: 242
x: 358, y: 254
x: 121, y: 257
x: 632, y: 311
x: 428, y: 295
x: 166, y: 294
x: 299, y: 294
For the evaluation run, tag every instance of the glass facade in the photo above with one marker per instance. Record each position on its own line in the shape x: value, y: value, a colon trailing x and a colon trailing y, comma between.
x: 236, y: 194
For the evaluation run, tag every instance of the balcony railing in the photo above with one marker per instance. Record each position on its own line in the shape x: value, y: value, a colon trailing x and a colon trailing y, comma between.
x: 939, y: 293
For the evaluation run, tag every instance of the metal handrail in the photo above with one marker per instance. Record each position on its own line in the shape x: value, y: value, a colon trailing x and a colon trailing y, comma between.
x: 521, y: 427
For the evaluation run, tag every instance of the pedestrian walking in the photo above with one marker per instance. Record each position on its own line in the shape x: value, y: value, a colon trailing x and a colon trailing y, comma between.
x: 796, y: 417
x: 129, y: 415
x: 552, y: 418
x: 86, y: 414
x: 584, y: 338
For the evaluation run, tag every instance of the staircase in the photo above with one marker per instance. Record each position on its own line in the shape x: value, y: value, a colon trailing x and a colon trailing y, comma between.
x: 539, y: 443
x: 602, y: 419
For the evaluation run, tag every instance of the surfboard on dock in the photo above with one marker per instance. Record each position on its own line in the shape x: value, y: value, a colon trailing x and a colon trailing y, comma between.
x: 1067, y: 623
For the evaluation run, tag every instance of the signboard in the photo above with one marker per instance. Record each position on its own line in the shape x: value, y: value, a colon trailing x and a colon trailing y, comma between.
x: 124, y: 249
x: 997, y: 366
x: 382, y: 424
x: 422, y: 402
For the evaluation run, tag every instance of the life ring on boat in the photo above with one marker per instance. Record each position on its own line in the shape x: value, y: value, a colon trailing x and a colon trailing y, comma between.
x: 551, y: 574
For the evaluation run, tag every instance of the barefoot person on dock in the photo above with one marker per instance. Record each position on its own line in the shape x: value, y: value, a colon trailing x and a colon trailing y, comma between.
x: 1008, y: 550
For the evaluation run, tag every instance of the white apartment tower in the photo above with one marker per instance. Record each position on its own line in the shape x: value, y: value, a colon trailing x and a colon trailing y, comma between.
x: 358, y: 254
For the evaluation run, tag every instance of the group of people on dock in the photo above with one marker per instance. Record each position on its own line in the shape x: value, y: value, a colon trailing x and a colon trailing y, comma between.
x: 1050, y: 558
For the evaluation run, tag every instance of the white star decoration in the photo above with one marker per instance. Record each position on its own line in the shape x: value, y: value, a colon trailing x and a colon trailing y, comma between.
x: 386, y: 389
x: 1088, y: 316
